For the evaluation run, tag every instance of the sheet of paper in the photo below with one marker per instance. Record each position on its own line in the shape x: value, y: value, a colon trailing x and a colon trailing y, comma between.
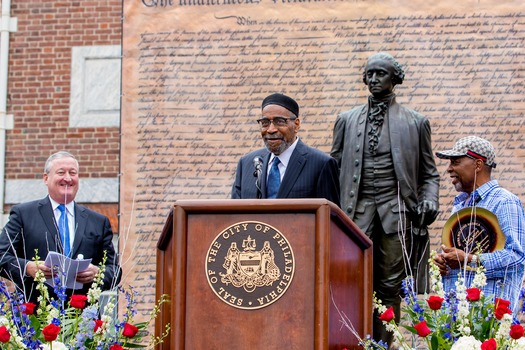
x: 68, y: 267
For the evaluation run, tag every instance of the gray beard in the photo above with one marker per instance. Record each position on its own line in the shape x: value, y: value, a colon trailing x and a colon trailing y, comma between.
x: 283, y: 147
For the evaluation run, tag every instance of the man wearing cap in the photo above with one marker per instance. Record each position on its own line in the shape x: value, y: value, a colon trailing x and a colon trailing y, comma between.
x: 286, y: 168
x: 471, y: 162
x: 389, y: 181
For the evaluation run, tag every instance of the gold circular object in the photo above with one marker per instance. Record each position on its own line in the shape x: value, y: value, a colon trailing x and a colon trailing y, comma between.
x: 250, y: 265
x: 473, y: 229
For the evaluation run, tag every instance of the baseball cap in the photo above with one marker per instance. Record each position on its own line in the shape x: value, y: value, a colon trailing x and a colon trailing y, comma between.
x: 473, y: 147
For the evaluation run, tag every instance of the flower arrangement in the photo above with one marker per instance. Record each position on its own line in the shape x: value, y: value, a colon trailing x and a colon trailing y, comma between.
x: 463, y: 318
x: 77, y: 323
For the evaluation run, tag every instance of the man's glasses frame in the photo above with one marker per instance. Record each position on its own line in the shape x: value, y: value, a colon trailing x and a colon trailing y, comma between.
x: 277, y: 122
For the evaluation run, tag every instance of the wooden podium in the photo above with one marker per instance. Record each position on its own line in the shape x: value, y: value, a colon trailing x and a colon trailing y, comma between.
x: 263, y: 274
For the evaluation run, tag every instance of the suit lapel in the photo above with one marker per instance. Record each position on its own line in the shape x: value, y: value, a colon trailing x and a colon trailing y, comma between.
x: 293, y: 170
x: 264, y: 174
x: 51, y: 230
x: 46, y: 211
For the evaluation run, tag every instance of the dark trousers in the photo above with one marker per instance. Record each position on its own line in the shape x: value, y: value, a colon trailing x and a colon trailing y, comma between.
x: 389, y: 268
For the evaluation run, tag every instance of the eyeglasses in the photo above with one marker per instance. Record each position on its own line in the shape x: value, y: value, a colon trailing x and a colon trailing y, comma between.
x: 277, y: 122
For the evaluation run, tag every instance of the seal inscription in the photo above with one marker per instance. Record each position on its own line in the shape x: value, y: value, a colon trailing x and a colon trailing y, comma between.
x: 475, y: 230
x: 250, y: 265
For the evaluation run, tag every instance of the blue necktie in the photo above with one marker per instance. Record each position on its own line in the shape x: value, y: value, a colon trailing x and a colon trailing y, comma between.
x: 63, y: 228
x: 274, y: 179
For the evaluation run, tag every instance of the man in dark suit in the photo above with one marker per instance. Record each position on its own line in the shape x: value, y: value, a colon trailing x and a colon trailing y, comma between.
x: 389, y: 180
x: 286, y: 168
x: 56, y: 223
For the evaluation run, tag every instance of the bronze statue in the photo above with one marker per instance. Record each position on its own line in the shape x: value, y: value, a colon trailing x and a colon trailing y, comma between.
x: 389, y: 181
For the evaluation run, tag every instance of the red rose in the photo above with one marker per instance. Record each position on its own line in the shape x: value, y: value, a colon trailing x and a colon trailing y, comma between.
x: 422, y: 329
x: 500, y: 311
x: 388, y: 315
x: 50, y: 332
x: 498, y: 302
x: 501, y: 307
x: 4, y: 334
x: 434, y: 302
x: 98, y: 324
x: 78, y: 301
x: 116, y: 347
x: 489, y: 344
x: 28, y: 308
x: 129, y: 330
x: 473, y: 294
x: 516, y: 331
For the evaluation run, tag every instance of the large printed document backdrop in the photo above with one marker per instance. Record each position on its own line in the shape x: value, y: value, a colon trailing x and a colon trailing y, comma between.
x: 195, y: 73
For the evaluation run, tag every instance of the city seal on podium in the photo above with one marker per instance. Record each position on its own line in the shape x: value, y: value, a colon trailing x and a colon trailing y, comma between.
x: 250, y: 265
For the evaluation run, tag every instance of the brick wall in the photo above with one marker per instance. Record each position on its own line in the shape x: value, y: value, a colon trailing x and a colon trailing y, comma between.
x: 39, y: 89
x: 39, y: 85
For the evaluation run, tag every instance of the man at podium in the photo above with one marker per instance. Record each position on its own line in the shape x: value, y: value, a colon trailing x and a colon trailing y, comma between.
x: 286, y: 168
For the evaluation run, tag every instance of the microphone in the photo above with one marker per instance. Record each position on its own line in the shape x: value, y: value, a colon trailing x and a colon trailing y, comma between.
x: 257, y: 163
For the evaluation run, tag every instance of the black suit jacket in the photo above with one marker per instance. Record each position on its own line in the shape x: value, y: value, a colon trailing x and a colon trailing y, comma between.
x: 32, y: 226
x: 310, y: 174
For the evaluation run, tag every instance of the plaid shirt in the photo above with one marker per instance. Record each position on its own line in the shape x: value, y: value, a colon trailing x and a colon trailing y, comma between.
x: 505, y: 267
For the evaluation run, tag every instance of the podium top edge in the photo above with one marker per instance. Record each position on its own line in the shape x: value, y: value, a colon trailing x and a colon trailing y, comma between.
x: 324, y: 207
x: 251, y: 204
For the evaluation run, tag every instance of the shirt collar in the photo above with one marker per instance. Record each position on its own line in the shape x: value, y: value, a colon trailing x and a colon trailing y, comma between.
x: 482, y: 191
x: 69, y: 206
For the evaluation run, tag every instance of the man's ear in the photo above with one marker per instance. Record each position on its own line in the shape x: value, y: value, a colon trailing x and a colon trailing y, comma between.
x: 479, y: 164
x: 297, y: 124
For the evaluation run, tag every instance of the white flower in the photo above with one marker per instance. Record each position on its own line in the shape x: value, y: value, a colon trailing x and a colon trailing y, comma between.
x: 20, y: 345
x: 520, y: 344
x: 378, y: 305
x: 504, y: 328
x: 52, y: 313
x: 463, y: 308
x: 19, y: 342
x: 480, y: 280
x: 390, y: 327
x: 466, y: 343
x: 56, y: 345
x: 94, y: 295
x: 436, y: 283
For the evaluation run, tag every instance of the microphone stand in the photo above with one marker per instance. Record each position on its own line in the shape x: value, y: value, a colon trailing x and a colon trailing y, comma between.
x: 257, y: 162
